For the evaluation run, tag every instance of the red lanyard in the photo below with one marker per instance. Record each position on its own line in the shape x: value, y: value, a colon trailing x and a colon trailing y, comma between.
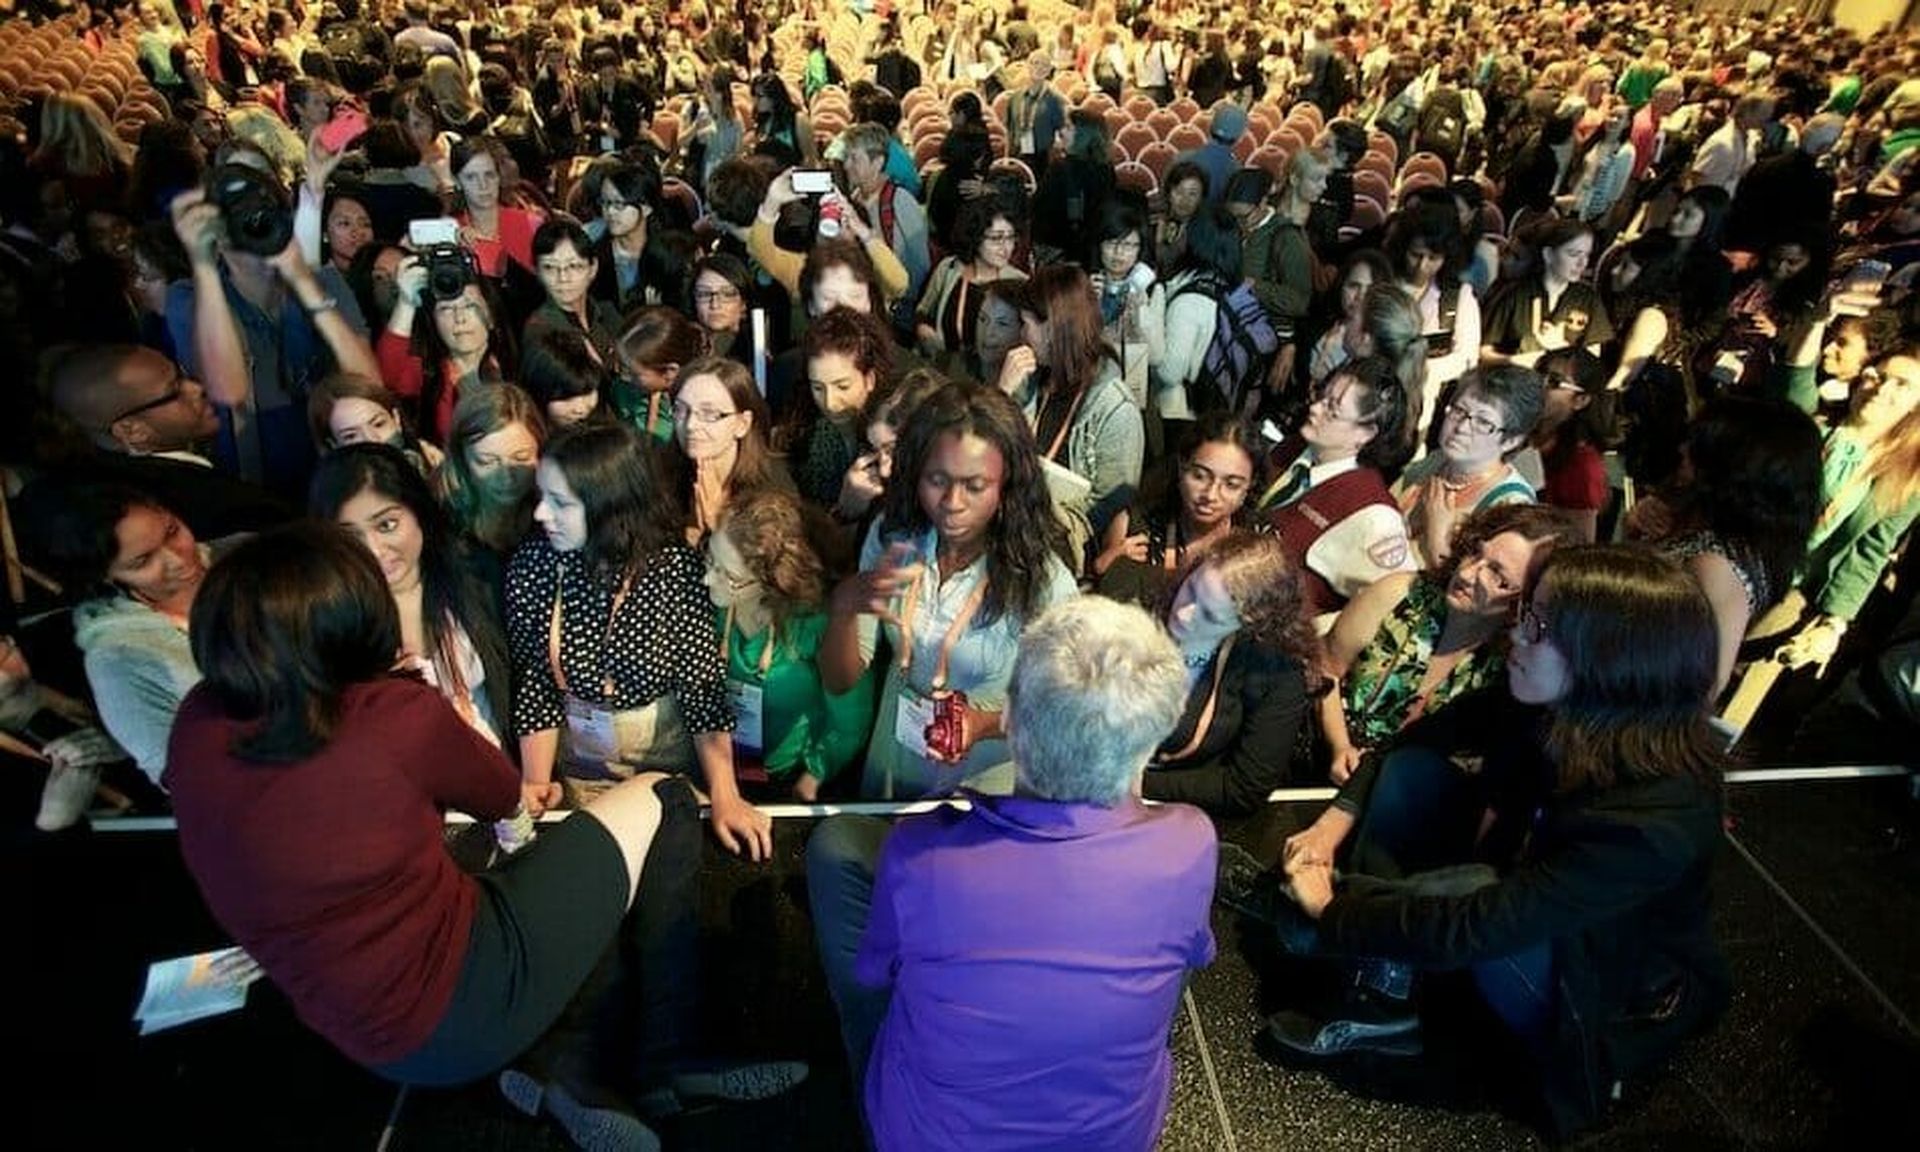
x: 959, y: 626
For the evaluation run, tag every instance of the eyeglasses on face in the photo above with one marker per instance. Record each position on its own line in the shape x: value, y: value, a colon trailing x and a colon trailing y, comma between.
x: 1473, y: 420
x: 685, y: 415
x: 175, y: 386
x: 710, y: 296
x: 566, y: 271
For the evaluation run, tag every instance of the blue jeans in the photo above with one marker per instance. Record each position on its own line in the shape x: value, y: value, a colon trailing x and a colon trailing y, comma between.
x: 1520, y: 990
x: 841, y: 859
x: 1423, y: 814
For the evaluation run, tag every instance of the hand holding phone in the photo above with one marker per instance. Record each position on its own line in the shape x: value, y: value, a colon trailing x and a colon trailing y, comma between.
x: 812, y: 181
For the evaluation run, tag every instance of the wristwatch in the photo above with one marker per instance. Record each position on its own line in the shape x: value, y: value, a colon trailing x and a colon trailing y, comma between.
x: 324, y: 304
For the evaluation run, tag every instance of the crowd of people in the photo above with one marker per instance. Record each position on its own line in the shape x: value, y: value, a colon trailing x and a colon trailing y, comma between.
x: 619, y: 408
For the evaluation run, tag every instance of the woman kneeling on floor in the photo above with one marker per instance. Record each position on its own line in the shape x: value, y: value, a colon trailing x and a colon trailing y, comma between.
x: 1568, y: 874
x: 309, y: 781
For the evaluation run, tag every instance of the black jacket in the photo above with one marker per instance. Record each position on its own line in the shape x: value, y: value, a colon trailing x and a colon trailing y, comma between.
x: 1615, y: 879
x: 1244, y: 754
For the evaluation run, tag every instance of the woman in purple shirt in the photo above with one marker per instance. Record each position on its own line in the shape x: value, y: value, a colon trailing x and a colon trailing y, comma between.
x: 957, y: 976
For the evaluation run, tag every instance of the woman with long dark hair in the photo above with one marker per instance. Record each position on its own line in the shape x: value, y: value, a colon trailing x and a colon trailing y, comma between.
x: 1219, y: 470
x: 966, y: 551
x: 1568, y: 875
x: 450, y: 630
x: 608, y: 624
x: 432, y: 351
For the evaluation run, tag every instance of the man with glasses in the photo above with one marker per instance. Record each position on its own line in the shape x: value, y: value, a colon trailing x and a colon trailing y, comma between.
x: 1489, y: 420
x: 148, y: 423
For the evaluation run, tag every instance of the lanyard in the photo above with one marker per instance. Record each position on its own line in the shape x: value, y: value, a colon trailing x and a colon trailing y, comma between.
x: 1066, y: 425
x: 1205, y: 723
x: 960, y: 623
x: 553, y: 637
x: 766, y: 654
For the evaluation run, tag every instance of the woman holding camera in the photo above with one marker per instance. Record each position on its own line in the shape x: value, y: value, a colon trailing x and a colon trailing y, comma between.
x: 966, y: 551
x: 459, y: 342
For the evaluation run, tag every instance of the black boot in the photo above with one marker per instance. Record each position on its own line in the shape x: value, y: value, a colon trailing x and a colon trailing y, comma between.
x: 1262, y: 894
x: 1378, y: 1017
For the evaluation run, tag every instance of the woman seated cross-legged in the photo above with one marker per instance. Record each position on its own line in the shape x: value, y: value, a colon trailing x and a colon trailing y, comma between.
x: 1567, y: 874
x: 303, y: 739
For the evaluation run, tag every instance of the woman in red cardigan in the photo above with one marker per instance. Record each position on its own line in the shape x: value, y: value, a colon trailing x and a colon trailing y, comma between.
x: 310, y: 783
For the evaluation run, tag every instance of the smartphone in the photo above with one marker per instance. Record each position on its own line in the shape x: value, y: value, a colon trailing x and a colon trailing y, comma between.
x: 812, y: 181
x: 1868, y: 276
x: 440, y: 230
x: 338, y: 134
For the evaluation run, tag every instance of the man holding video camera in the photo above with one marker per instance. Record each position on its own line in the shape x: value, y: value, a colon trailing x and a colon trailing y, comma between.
x: 256, y: 324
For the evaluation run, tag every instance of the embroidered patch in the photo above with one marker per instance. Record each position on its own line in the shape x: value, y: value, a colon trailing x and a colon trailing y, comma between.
x: 1390, y: 552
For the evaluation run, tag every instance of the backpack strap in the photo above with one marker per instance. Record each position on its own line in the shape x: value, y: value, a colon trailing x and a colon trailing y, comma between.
x: 888, y: 221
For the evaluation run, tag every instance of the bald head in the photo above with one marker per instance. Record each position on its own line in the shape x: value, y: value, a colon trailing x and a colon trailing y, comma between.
x: 129, y: 398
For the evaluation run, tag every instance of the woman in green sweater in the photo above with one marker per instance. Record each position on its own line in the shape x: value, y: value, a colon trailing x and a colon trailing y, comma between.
x: 769, y: 587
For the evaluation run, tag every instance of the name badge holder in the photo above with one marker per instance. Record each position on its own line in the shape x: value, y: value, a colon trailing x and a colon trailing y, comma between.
x: 593, y: 740
x: 748, y: 699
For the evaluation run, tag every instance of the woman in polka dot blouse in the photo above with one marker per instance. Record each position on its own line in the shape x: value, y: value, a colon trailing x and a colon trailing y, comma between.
x: 611, y: 634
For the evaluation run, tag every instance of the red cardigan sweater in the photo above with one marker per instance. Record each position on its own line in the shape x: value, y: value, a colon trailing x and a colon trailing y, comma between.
x: 331, y: 871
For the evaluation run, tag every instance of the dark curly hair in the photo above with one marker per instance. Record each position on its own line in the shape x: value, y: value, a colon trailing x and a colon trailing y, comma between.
x: 975, y: 219
x: 631, y: 512
x: 1025, y: 539
x: 1756, y: 481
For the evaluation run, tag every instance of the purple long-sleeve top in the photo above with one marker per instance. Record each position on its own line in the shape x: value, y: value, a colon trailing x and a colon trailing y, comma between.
x: 1036, y: 953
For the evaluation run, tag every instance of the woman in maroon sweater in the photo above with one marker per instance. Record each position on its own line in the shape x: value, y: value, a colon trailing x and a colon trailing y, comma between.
x: 309, y: 782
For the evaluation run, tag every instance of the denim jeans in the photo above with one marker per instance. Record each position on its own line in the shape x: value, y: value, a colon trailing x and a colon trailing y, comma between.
x: 1423, y: 814
x: 841, y: 859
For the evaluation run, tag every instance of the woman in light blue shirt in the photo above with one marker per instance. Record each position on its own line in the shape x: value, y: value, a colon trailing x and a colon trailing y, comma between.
x: 965, y: 553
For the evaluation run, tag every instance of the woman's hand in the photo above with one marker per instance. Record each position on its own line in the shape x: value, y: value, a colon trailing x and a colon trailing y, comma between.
x: 1131, y: 548
x: 1345, y: 759
x: 861, y: 487
x: 872, y: 593
x: 975, y: 726
x: 741, y: 828
x: 1016, y: 370
x: 235, y: 968
x: 411, y: 280
x: 540, y: 797
x: 1312, y: 885
x: 82, y: 748
x: 1320, y: 840
x: 320, y: 164
x: 196, y: 220
x: 807, y: 788
x: 1814, y: 646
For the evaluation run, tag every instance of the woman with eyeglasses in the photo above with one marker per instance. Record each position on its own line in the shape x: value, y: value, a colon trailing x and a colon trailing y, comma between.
x: 564, y: 258
x: 769, y: 585
x: 1219, y: 470
x: 625, y: 209
x: 1328, y: 498
x: 720, y: 423
x: 1568, y: 875
x: 722, y: 290
x: 1489, y: 420
x: 1572, y: 437
x: 344, y: 409
x: 966, y: 551
x: 1133, y: 301
x: 1237, y: 614
x: 609, y: 625
x: 434, y: 351
x: 495, y: 230
x: 986, y: 234
x: 1410, y: 642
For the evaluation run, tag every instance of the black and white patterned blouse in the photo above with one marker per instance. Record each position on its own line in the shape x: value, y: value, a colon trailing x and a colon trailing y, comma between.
x: 660, y: 642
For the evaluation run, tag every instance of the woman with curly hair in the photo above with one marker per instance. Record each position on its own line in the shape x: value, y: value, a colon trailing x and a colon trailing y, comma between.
x: 966, y: 551
x: 769, y: 585
x: 1250, y: 651
x: 1408, y: 643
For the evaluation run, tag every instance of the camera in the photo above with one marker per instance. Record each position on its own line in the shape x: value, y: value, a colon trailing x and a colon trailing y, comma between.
x: 254, y: 207
x: 450, y: 268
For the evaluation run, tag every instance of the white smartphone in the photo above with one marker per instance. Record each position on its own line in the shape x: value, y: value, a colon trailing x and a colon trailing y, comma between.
x: 812, y: 181
x: 434, y: 232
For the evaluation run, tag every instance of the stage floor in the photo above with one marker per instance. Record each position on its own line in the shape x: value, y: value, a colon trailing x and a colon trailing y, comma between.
x: 1817, y: 895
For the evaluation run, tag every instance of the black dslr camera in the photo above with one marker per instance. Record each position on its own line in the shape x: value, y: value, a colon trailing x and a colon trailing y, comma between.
x: 450, y: 265
x: 254, y: 206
